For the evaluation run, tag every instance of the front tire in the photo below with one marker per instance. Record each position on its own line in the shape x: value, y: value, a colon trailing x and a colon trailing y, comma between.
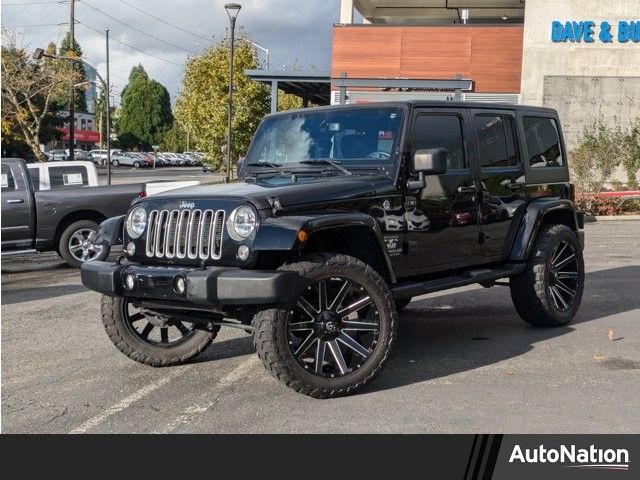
x: 337, y: 336
x: 76, y: 244
x: 549, y: 291
x: 159, y: 341
x: 115, y: 163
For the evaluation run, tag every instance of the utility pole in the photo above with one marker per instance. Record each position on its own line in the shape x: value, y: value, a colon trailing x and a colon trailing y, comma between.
x: 108, y: 103
x: 72, y: 136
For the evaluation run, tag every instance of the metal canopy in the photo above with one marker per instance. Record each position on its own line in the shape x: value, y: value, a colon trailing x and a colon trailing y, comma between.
x: 314, y: 87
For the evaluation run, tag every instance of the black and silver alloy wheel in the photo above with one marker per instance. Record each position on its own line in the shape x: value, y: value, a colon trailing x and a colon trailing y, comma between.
x: 159, y: 339
x: 337, y: 335
x: 563, y: 276
x: 155, y: 328
x: 333, y: 327
x: 548, y: 292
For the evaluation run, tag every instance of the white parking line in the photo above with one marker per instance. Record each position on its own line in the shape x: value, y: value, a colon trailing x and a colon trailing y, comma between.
x: 192, y: 411
x: 126, y: 402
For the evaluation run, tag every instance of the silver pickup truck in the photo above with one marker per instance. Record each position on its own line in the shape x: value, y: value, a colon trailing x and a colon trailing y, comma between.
x: 65, y: 220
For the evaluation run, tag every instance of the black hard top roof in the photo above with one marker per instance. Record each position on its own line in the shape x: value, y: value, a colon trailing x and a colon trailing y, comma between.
x: 435, y: 104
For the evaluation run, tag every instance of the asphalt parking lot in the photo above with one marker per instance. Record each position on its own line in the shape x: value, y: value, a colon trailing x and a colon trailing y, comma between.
x: 464, y: 362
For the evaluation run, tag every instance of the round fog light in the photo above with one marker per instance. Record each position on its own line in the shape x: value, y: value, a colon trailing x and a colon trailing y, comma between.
x: 179, y: 285
x: 243, y: 252
x: 131, y: 248
x: 129, y: 281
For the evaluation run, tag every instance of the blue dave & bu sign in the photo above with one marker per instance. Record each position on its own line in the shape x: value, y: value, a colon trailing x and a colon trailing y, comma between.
x: 587, y: 31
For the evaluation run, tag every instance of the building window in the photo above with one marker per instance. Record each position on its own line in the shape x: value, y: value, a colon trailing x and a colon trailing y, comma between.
x: 496, y: 142
x: 543, y: 142
x: 441, y: 131
x: 83, y: 124
x: 89, y: 124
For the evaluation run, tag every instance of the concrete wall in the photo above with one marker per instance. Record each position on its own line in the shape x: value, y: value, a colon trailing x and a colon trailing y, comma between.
x: 586, y: 81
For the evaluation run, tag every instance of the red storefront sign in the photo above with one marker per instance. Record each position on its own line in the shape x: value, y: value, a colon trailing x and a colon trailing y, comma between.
x: 88, y: 136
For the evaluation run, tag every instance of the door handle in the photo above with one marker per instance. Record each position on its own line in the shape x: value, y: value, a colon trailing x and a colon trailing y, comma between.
x: 516, y: 185
x: 15, y: 200
x: 469, y: 189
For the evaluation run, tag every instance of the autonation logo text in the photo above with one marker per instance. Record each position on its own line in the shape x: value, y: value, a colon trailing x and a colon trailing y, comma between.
x: 573, y: 457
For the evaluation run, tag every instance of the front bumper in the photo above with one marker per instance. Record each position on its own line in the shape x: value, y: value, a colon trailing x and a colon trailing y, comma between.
x: 211, y: 286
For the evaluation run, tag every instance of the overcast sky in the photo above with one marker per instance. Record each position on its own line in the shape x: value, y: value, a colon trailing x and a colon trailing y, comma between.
x: 291, y: 29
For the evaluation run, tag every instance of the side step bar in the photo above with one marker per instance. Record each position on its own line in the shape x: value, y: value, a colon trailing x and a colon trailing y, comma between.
x: 11, y: 253
x: 412, y: 289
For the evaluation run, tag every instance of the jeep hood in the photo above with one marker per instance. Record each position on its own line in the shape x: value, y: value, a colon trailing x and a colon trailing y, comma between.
x: 305, y: 190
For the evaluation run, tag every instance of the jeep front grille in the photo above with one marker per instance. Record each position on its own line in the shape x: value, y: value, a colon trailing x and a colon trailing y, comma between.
x: 192, y: 234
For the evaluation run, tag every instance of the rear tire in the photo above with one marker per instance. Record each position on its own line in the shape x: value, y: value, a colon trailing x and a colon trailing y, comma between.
x: 549, y: 291
x: 137, y: 343
x: 136, y: 164
x: 330, y: 365
x: 72, y: 248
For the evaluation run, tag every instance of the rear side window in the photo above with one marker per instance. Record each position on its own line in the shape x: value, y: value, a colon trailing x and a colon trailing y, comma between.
x: 65, y: 177
x: 543, y: 142
x: 34, y: 174
x: 8, y: 183
x: 441, y: 131
x: 496, y: 140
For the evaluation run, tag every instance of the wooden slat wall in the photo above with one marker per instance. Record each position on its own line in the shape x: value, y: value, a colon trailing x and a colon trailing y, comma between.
x: 492, y: 56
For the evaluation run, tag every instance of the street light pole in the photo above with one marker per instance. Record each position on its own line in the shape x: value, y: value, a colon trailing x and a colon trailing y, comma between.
x: 108, y: 105
x: 232, y: 11
x: 72, y: 123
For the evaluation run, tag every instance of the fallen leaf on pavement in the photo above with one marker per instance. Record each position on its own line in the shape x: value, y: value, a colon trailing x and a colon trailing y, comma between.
x: 599, y: 358
x: 610, y: 334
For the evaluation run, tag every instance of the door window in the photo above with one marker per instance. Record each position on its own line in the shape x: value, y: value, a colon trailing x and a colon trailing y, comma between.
x: 441, y: 131
x: 496, y: 141
x: 8, y: 183
x: 543, y: 142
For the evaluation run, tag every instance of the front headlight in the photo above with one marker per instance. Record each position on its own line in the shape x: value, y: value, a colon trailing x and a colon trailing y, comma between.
x: 136, y: 222
x: 242, y: 223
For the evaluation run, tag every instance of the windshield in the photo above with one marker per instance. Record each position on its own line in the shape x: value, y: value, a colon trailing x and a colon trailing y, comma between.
x: 359, y: 136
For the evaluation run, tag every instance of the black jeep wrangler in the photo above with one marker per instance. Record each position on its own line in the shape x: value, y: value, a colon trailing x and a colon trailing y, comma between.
x: 341, y: 216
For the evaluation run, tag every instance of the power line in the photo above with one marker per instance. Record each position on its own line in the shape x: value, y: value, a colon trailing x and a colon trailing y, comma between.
x: 136, y: 29
x: 127, y: 45
x: 166, y: 22
x: 39, y: 25
x: 32, y: 3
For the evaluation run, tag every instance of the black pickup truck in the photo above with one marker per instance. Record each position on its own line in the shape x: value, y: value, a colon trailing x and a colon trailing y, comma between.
x: 64, y: 220
x: 342, y: 215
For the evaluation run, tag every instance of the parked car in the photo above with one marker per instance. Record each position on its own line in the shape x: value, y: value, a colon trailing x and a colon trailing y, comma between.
x: 127, y: 158
x: 65, y: 220
x: 173, y: 159
x: 293, y: 254
x: 145, y: 159
x: 78, y: 154
x: 59, y: 175
x: 99, y: 157
x: 56, y: 155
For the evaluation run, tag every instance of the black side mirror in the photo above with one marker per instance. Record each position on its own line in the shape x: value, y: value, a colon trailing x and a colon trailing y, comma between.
x: 428, y: 161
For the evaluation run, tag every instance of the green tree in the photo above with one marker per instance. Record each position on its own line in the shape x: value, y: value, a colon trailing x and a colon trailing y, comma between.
x: 202, y: 103
x: 175, y: 139
x: 79, y: 97
x: 596, y: 156
x: 145, y: 114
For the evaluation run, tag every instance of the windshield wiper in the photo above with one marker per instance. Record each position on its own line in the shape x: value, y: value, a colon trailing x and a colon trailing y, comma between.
x: 326, y: 161
x: 264, y: 164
